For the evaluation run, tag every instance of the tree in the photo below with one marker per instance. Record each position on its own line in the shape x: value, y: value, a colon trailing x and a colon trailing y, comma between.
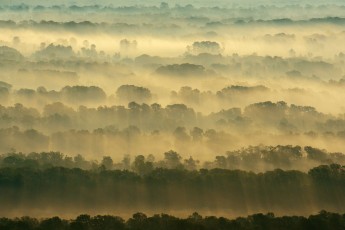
x: 83, y: 94
x: 181, y: 134
x: 82, y: 222
x: 107, y: 162
x: 126, y: 161
x: 317, y: 154
x: 197, y: 134
x: 128, y: 47
x: 205, y: 47
x: 172, y: 159
x: 191, y: 164
x: 141, y: 166
x: 183, y: 70
x: 195, y: 217
x: 54, y: 223
x: 107, y: 222
x: 55, y: 52
x: 129, y: 93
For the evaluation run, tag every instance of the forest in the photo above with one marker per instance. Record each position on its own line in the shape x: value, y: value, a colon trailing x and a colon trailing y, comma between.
x: 190, y: 114
x: 216, y: 190
x: 322, y: 220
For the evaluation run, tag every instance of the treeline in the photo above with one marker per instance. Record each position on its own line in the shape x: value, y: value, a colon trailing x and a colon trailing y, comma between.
x: 197, y: 61
x: 192, y: 97
x: 139, y: 221
x: 276, y: 116
x: 105, y: 27
x: 253, y: 158
x: 235, y: 191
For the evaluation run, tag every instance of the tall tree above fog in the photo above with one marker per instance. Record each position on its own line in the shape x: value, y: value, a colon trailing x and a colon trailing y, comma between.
x: 210, y: 47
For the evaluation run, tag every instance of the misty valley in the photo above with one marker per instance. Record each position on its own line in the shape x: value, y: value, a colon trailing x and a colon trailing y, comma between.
x: 172, y: 115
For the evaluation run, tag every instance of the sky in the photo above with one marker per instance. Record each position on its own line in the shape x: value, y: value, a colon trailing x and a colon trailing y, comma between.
x: 198, y: 3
